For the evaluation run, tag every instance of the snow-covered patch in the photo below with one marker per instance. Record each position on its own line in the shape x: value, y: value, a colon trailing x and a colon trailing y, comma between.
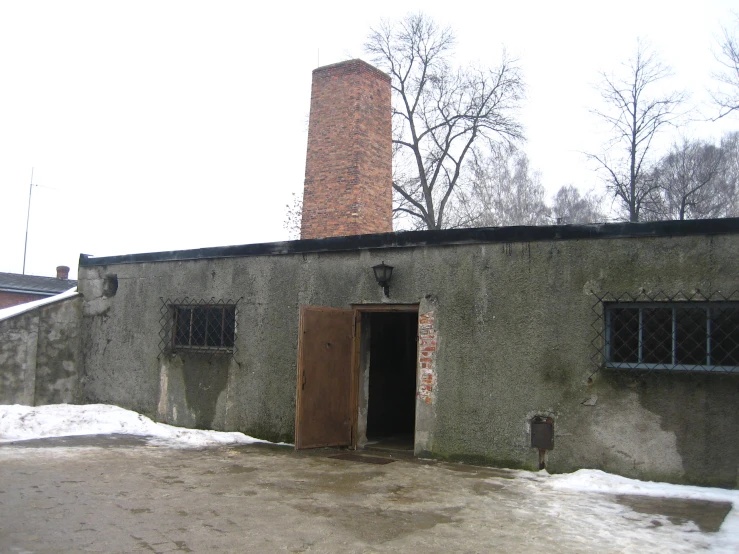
x: 593, y: 480
x: 11, y: 311
x: 574, y: 504
x: 63, y: 420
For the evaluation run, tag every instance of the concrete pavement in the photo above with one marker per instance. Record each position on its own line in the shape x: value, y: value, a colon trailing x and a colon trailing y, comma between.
x: 121, y: 494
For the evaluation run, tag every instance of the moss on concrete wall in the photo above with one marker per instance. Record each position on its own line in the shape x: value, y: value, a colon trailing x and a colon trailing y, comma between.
x: 514, y: 326
x: 40, y: 355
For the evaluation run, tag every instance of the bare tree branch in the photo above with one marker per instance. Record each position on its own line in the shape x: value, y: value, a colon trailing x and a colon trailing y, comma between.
x: 438, y: 114
x: 503, y: 191
x: 294, y: 216
x: 726, y: 97
x: 570, y: 207
x: 635, y: 118
x: 697, y: 180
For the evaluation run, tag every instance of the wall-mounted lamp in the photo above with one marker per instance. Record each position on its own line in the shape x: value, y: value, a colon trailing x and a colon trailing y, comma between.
x: 383, y: 273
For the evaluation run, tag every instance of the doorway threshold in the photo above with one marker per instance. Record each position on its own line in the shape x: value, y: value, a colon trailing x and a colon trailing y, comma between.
x: 400, y: 445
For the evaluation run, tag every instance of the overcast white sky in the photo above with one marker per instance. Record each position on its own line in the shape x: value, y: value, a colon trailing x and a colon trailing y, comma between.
x: 163, y: 125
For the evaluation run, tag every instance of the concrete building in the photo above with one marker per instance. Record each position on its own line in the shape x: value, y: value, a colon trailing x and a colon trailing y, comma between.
x: 491, y: 339
x: 572, y: 346
x: 41, y: 351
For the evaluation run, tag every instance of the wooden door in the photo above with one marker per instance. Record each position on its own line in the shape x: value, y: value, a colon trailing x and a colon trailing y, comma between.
x: 323, y: 412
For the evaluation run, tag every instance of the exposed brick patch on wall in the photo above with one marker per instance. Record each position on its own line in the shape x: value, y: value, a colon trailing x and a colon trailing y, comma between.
x: 348, y: 169
x: 8, y: 299
x: 427, y: 345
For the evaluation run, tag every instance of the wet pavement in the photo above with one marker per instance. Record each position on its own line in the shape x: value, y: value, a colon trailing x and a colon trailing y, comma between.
x: 119, y: 493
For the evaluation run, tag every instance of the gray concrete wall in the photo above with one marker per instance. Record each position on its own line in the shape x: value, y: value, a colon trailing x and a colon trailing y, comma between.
x: 40, y: 355
x: 511, y: 325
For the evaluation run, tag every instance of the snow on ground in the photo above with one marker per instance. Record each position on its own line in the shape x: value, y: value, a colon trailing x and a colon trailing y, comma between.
x: 593, y: 480
x: 63, y: 420
x: 5, y: 313
x: 574, y: 497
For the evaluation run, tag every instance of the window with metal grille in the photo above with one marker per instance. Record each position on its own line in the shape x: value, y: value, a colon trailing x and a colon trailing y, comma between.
x: 203, y: 327
x: 686, y: 336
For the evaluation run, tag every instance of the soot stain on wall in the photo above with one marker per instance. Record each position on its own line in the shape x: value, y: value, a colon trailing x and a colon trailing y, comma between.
x: 205, y: 377
x: 698, y: 421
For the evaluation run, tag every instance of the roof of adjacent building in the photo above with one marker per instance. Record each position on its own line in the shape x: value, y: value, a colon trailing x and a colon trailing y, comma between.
x: 18, y: 309
x: 34, y: 284
x: 444, y: 237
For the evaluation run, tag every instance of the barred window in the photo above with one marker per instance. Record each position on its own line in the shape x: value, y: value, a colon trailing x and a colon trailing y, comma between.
x: 687, y: 336
x: 193, y: 325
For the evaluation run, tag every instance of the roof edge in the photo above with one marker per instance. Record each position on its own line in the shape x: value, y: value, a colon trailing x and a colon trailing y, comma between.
x: 349, y: 65
x: 19, y: 309
x: 26, y: 291
x: 445, y: 237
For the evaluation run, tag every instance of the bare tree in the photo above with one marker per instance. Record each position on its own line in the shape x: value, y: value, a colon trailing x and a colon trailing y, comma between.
x: 726, y: 97
x: 502, y: 191
x: 294, y: 216
x: 635, y: 117
x: 439, y: 112
x: 570, y: 207
x: 697, y: 180
x: 690, y: 178
x: 730, y: 147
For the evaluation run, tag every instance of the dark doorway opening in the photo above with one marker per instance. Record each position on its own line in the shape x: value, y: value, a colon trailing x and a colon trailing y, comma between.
x: 391, y: 408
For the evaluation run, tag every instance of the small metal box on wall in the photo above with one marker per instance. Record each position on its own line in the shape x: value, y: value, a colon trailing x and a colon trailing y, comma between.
x: 542, y: 433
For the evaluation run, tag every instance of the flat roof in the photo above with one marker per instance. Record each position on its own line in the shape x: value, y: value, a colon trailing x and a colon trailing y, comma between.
x: 445, y: 237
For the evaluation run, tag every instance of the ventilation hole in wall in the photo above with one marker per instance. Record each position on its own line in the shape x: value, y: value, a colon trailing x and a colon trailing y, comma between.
x: 110, y: 285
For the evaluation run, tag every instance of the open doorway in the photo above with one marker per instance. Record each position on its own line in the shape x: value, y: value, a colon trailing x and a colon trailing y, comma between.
x: 356, y: 381
x: 388, y: 377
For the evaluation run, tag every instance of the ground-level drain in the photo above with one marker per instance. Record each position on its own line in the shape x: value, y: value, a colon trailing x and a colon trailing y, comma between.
x: 365, y: 459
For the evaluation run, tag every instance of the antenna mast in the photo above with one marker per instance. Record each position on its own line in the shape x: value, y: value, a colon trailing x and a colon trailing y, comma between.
x: 28, y: 218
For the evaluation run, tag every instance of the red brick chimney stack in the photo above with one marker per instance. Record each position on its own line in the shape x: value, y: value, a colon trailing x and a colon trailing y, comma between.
x: 348, y: 169
x: 62, y: 272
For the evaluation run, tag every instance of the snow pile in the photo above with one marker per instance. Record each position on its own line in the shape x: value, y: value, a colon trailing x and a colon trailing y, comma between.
x: 593, y: 480
x: 5, y: 313
x: 63, y: 420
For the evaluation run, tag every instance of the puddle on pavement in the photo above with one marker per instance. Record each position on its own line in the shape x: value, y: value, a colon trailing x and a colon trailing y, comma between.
x: 240, y: 469
x: 235, y: 494
x: 100, y: 441
x: 170, y: 480
x: 707, y: 515
x: 485, y: 487
x: 344, y: 483
x: 400, y: 494
x: 375, y: 526
x: 477, y: 471
x: 261, y: 449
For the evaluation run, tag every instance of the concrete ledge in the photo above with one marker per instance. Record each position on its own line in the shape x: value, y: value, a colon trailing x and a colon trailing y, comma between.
x: 446, y: 237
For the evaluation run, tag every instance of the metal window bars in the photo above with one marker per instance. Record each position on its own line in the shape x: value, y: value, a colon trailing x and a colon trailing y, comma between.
x: 687, y: 333
x: 197, y: 325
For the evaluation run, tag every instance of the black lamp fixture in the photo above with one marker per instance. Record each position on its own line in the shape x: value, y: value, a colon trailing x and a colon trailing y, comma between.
x: 383, y: 273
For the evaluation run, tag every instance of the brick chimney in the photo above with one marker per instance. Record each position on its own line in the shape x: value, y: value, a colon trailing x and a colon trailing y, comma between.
x: 348, y: 168
x: 62, y: 272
